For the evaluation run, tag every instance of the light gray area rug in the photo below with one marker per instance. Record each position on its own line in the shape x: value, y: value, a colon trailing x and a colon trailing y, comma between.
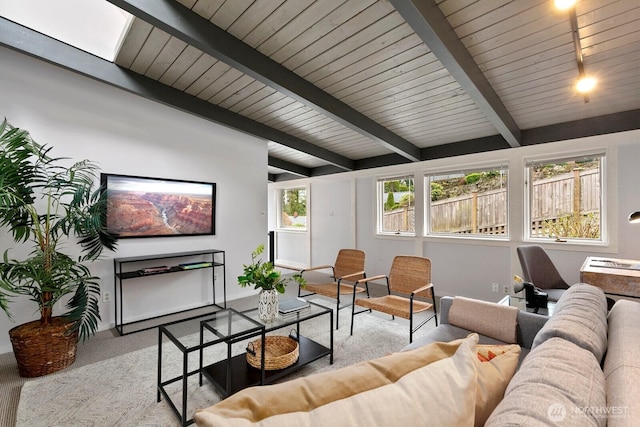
x: 121, y: 391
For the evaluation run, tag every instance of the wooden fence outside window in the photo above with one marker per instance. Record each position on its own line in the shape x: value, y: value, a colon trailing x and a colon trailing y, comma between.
x: 577, y: 193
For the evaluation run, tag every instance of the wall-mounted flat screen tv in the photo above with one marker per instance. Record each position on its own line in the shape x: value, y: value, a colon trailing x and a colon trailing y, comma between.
x: 155, y: 207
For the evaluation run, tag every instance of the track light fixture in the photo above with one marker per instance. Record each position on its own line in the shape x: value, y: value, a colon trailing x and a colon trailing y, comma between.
x: 564, y: 4
x: 585, y: 83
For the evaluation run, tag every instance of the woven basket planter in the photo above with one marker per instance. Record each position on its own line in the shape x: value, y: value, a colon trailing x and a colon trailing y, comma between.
x: 43, y: 350
x: 279, y: 352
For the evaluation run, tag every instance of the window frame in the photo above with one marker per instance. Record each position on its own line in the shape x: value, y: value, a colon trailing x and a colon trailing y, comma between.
x: 530, y: 162
x: 464, y: 170
x: 380, y: 204
x: 280, y: 210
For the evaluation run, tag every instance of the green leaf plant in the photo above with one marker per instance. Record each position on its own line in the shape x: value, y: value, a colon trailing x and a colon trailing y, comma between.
x: 49, y: 205
x: 263, y: 275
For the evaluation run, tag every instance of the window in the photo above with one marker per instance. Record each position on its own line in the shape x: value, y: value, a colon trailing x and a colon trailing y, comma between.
x: 565, y: 199
x: 396, y: 205
x: 293, y: 208
x: 467, y: 203
x: 100, y: 29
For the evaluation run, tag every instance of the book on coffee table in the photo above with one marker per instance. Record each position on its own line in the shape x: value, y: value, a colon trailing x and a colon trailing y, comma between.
x: 291, y: 305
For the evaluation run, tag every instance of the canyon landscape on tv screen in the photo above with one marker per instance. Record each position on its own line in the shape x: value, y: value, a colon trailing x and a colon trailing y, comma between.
x: 152, y: 207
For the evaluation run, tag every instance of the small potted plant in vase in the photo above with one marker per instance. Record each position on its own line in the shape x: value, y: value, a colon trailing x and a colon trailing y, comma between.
x: 265, y: 277
x: 44, y: 202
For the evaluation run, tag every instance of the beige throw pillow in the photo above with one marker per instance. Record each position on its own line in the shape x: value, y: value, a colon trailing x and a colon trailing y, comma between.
x: 494, y: 374
x: 443, y: 392
x: 387, y: 391
x: 306, y: 393
x: 486, y: 318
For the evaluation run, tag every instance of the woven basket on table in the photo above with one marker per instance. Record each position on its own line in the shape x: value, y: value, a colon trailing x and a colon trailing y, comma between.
x: 279, y: 352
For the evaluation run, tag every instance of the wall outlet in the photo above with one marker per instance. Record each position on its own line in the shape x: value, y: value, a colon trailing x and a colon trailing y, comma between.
x: 215, y: 277
x: 506, y: 289
x: 106, y: 296
x: 495, y: 287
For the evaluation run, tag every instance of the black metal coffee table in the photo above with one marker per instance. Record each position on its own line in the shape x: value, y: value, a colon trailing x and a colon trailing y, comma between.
x: 184, y: 336
x: 233, y: 373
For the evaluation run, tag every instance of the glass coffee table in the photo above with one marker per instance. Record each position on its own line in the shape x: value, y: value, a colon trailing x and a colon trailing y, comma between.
x: 521, y: 303
x: 232, y: 372
x: 187, y: 338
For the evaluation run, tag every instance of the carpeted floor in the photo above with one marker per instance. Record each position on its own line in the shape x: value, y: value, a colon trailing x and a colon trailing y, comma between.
x: 104, y: 345
x: 121, y: 391
x: 104, y: 350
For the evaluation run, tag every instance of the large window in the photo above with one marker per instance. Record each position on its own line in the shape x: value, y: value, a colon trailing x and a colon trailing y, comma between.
x: 565, y: 199
x: 472, y: 202
x: 293, y: 208
x: 396, y: 205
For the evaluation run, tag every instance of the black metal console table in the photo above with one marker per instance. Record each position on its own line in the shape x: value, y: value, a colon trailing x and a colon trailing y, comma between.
x: 209, y: 258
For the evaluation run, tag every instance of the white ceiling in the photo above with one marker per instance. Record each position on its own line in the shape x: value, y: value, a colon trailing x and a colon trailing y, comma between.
x: 339, y: 85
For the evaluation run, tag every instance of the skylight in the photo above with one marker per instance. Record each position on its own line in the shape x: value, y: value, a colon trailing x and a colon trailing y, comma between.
x: 95, y: 26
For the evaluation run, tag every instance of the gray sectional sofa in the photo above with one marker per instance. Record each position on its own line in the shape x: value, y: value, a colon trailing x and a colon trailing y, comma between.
x: 526, y: 325
x: 581, y: 367
x: 486, y: 364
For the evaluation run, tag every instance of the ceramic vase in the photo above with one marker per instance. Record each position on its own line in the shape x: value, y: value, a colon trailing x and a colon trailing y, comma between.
x: 268, y: 305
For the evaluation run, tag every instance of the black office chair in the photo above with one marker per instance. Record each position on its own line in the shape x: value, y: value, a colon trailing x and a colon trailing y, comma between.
x: 538, y: 269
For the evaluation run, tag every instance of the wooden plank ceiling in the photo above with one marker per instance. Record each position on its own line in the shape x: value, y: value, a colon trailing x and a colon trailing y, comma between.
x: 338, y: 85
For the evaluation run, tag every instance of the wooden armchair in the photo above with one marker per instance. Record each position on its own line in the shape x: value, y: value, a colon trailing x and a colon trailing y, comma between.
x: 348, y: 268
x: 410, y: 276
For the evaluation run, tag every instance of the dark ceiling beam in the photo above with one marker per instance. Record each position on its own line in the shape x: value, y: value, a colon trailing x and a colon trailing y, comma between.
x: 324, y: 170
x: 428, y: 21
x: 289, y: 167
x: 600, y: 125
x: 380, y: 161
x: 37, y: 45
x: 470, y: 146
x: 191, y: 28
x: 313, y: 172
x: 283, y: 177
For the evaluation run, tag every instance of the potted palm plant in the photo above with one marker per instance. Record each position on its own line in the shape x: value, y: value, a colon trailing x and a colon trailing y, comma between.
x: 51, y: 205
x: 263, y: 275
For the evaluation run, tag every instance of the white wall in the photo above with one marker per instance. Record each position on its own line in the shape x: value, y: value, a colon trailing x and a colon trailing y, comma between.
x: 465, y: 266
x: 126, y: 134
x: 333, y: 214
x: 329, y: 209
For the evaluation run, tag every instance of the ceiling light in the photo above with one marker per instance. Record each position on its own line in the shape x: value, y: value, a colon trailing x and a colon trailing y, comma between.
x: 634, y: 217
x: 564, y: 4
x: 585, y: 84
